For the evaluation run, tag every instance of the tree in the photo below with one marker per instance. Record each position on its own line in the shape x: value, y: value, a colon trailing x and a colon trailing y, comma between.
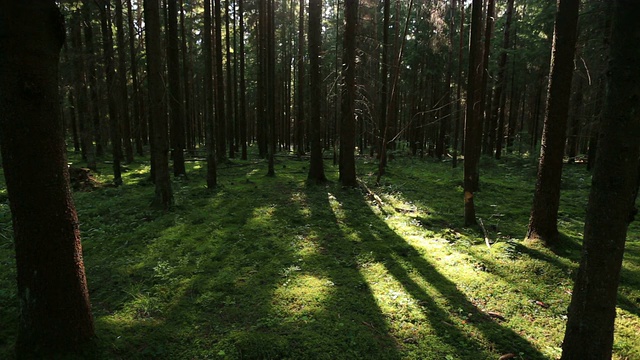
x: 473, y: 125
x: 55, y: 312
x: 242, y: 115
x: 316, y: 167
x: 589, y: 332
x: 208, y: 98
x: 546, y: 198
x: 221, y: 119
x: 157, y: 116
x: 348, y: 125
x: 498, y: 110
x: 123, y: 97
x: 176, y: 105
x: 301, y: 84
x: 107, y: 46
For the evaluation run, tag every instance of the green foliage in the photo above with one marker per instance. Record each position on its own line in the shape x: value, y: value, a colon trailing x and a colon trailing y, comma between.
x: 273, y: 268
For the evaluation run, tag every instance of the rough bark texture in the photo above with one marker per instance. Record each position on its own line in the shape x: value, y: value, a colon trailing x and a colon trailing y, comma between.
x: 221, y: 120
x: 157, y: 116
x: 589, y: 333
x: 473, y: 125
x: 546, y: 198
x: 316, y: 168
x: 55, y: 313
x: 348, y: 125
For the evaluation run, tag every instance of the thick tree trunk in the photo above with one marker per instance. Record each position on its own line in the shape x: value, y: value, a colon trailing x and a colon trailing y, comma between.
x: 348, y: 125
x: 473, y: 125
x: 158, y: 119
x: 316, y: 167
x: 546, y: 198
x: 589, y: 333
x: 55, y: 313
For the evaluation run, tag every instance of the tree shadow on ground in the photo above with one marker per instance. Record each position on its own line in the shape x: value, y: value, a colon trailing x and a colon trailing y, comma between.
x: 452, y: 316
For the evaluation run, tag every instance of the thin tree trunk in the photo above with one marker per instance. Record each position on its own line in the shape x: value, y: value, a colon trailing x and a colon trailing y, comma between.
x: 243, y: 87
x: 135, y: 87
x: 210, y: 137
x: 500, y: 97
x: 473, y: 126
x: 301, y: 83
x: 176, y: 104
x: 123, y: 97
x: 116, y: 141
x: 221, y: 118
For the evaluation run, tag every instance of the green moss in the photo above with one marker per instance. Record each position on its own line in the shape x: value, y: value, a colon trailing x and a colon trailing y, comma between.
x: 273, y: 268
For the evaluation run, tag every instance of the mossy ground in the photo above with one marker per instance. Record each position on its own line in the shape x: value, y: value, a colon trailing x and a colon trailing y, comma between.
x: 274, y: 268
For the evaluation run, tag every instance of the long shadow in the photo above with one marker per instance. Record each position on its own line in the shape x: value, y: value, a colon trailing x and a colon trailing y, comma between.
x: 401, y: 259
x: 183, y: 284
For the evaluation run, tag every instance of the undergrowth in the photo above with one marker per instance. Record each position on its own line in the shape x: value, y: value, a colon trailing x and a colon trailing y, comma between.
x: 274, y: 268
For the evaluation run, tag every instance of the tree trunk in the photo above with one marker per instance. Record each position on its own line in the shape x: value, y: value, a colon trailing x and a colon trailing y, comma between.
x: 473, y: 125
x: 221, y: 118
x: 158, y: 119
x: 589, y: 333
x: 94, y: 109
x: 123, y: 97
x: 80, y: 75
x: 546, y: 198
x: 230, y: 121
x: 212, y: 179
x: 176, y: 104
x: 55, y: 312
x: 243, y: 87
x: 486, y: 93
x: 500, y: 98
x: 137, y: 120
x: 348, y: 125
x: 316, y: 166
x: 459, y: 114
x: 116, y: 141
x: 301, y: 84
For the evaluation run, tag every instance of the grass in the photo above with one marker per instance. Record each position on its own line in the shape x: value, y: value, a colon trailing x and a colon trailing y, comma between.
x: 273, y: 268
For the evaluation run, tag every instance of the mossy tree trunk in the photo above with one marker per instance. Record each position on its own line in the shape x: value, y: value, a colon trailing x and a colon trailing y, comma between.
x: 55, y: 313
x: 592, y: 312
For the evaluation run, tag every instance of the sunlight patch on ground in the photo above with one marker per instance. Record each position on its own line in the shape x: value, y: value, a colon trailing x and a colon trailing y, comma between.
x: 301, y: 296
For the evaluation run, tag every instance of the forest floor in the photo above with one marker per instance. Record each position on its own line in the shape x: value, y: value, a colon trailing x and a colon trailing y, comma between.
x: 274, y: 268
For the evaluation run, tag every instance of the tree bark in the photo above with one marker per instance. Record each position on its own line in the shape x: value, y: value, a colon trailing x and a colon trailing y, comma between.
x: 123, y: 96
x: 158, y: 119
x: 348, y: 125
x: 212, y: 179
x: 301, y: 84
x: 473, y: 125
x: 497, y: 112
x: 243, y: 87
x: 546, y: 198
x: 55, y: 312
x: 107, y: 42
x: 221, y: 118
x: 137, y: 120
x: 589, y: 333
x: 316, y: 166
x: 176, y: 103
